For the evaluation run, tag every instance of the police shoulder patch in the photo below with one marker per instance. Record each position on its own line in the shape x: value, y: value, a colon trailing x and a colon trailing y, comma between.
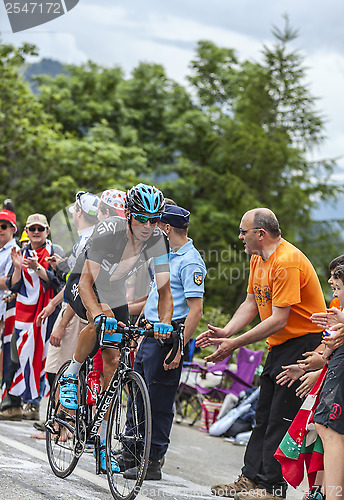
x: 198, y: 278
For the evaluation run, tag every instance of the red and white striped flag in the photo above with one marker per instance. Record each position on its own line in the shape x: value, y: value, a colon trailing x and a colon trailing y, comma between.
x: 32, y: 340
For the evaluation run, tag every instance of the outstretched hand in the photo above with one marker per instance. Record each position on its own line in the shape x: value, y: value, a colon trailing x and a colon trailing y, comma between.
x: 205, y: 339
x: 225, y: 349
x: 289, y: 375
x: 308, y: 380
x: 313, y: 361
x: 331, y: 317
x: 55, y: 259
x: 337, y: 339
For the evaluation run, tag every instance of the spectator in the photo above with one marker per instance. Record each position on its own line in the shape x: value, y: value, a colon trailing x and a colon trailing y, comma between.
x: 24, y: 239
x: 7, y: 230
x: 327, y: 416
x: 284, y: 289
x: 32, y: 277
x: 8, y: 205
x: 111, y: 203
x: 68, y: 325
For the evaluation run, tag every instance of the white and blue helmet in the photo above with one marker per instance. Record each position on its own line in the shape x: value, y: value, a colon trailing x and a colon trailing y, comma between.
x: 143, y: 198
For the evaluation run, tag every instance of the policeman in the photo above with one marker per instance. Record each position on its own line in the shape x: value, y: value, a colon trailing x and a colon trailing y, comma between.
x: 187, y: 273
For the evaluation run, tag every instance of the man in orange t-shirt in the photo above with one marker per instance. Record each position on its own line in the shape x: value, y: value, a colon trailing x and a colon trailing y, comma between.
x: 284, y: 289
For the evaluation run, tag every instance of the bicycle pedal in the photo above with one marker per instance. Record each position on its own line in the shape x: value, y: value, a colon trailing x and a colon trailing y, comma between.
x: 63, y: 415
x: 49, y: 425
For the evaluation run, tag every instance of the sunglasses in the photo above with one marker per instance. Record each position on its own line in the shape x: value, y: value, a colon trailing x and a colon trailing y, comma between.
x: 145, y: 218
x: 4, y: 226
x: 32, y: 229
x: 244, y: 231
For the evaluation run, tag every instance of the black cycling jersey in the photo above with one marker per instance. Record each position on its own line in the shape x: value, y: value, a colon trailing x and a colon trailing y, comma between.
x: 106, y: 246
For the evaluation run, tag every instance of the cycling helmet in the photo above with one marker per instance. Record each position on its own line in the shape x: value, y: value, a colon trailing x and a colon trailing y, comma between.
x: 142, y: 198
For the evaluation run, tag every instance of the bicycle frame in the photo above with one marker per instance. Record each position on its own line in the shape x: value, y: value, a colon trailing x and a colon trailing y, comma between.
x: 109, y: 394
x: 125, y: 400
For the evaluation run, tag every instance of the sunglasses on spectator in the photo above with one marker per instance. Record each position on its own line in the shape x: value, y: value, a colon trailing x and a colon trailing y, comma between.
x: 153, y: 219
x: 4, y: 226
x: 244, y: 231
x: 32, y: 229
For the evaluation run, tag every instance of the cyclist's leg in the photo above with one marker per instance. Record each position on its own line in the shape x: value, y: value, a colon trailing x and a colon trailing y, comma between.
x: 69, y: 381
x: 86, y: 341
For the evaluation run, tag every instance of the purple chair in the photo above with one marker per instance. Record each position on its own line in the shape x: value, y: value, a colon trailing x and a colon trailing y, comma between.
x: 247, y: 363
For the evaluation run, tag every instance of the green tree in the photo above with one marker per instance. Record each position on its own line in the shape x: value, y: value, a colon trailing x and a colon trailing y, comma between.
x: 27, y: 135
x: 261, y: 122
x: 44, y: 162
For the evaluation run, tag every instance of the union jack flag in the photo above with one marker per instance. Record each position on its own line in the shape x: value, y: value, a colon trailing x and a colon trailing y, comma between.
x: 8, y: 330
x: 32, y: 340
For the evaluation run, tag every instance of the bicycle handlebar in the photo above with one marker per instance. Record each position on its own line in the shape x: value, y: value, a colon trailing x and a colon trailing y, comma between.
x: 131, y: 332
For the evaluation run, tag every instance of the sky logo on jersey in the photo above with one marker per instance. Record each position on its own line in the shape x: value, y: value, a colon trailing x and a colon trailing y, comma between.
x: 24, y: 14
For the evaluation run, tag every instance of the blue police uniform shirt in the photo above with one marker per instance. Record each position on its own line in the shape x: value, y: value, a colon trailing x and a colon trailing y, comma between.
x: 187, y: 273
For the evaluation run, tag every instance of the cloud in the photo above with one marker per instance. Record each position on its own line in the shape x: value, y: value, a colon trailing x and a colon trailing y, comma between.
x: 326, y: 74
x: 123, y: 33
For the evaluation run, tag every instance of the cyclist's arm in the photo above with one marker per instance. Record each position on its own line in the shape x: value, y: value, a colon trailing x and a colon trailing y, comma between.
x: 165, y: 302
x: 243, y: 316
x: 88, y: 276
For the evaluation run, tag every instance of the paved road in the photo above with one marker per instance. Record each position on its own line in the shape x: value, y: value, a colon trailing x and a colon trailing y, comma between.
x: 194, y: 462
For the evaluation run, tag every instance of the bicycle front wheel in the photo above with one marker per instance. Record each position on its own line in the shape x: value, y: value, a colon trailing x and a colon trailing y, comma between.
x: 60, y: 428
x: 129, y: 435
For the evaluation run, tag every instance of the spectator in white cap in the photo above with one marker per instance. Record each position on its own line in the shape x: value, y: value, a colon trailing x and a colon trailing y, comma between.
x: 68, y: 325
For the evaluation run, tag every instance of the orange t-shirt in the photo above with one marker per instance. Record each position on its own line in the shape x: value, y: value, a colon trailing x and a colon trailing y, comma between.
x: 286, y: 278
x: 335, y: 303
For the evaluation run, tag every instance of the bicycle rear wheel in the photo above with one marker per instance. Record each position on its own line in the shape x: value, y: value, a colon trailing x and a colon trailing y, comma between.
x: 60, y: 428
x: 129, y: 433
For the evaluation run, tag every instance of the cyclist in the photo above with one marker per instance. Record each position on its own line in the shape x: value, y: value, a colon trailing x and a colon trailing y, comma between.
x: 96, y: 287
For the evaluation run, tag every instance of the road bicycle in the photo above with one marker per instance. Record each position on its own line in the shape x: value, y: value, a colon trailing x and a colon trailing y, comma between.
x: 69, y: 431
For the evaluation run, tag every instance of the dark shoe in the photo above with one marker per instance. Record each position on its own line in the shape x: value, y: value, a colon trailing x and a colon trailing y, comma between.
x: 30, y: 411
x: 39, y: 426
x: 126, y: 461
x: 153, y: 471
x: 12, y: 413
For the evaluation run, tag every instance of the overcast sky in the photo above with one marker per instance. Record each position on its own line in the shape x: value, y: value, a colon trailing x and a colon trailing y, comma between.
x: 124, y: 32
